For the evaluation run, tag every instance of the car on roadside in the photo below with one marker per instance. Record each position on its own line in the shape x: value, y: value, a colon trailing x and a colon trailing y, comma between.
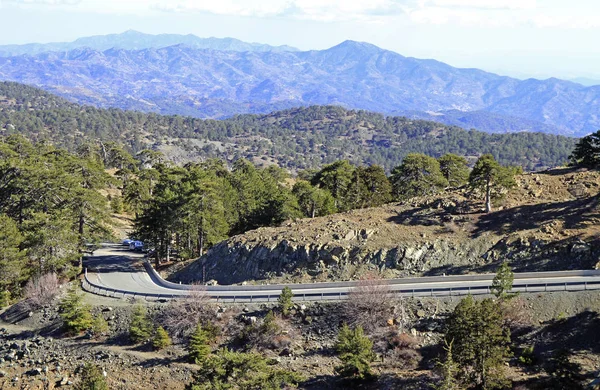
x: 136, y: 246
x: 126, y: 242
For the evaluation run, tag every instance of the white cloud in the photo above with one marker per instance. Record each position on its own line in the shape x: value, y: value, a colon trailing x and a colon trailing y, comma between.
x: 477, y: 13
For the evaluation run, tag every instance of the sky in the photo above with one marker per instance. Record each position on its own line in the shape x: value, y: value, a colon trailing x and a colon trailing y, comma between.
x: 521, y: 38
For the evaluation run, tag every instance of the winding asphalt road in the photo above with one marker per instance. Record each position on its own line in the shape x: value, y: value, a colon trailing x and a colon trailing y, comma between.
x: 115, y: 271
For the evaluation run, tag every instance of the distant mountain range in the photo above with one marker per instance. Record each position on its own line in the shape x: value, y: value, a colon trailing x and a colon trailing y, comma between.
x: 220, y: 81
x: 135, y: 40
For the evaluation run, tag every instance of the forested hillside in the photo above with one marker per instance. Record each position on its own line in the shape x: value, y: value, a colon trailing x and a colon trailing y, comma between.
x: 295, y: 139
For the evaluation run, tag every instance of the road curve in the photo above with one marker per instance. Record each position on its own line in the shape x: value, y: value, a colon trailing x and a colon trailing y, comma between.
x: 115, y: 271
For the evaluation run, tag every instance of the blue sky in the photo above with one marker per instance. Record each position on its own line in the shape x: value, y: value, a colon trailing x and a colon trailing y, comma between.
x: 540, y: 38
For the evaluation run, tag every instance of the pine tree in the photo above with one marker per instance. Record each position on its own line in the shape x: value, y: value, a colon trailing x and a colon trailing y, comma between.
x: 587, y: 151
x: 355, y: 350
x: 76, y: 315
x: 140, y: 328
x: 199, y: 345
x: 418, y: 175
x: 12, y: 258
x: 503, y: 281
x: 313, y: 202
x: 480, y: 342
x: 161, y: 338
x: 91, y: 378
x: 455, y: 169
x: 448, y: 370
x: 285, y: 300
x: 491, y: 178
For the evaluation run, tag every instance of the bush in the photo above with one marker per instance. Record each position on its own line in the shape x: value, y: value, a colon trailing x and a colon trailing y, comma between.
x: 369, y: 304
x: 161, y: 338
x: 41, y: 290
x: 76, y: 315
x: 285, y: 301
x: 5, y: 298
x: 91, y: 378
x: 181, y: 316
x: 239, y: 370
x: 99, y: 326
x: 528, y: 356
x: 140, y: 328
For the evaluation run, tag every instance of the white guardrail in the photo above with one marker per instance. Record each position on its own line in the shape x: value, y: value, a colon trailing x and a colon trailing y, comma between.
x: 397, y: 287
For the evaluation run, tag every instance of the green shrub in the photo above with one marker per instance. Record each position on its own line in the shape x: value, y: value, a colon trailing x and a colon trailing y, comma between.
x: 76, y: 315
x: 91, y: 378
x: 99, y: 326
x: 239, y: 370
x: 285, y: 300
x: 4, y: 298
x: 140, y: 328
x: 161, y: 338
x: 528, y: 356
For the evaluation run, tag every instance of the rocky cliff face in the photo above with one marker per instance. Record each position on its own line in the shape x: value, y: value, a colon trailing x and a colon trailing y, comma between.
x: 543, y: 225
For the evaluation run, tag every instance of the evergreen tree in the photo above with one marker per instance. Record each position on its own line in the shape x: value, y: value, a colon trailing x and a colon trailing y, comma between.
x: 455, y: 169
x: 313, y: 202
x: 91, y: 378
x: 418, y: 175
x: 336, y: 178
x: 355, y: 350
x: 448, y: 370
x: 587, y: 151
x: 161, y: 338
x: 140, y: 327
x: 285, y: 300
x: 503, y: 281
x: 13, y: 270
x: 491, y: 178
x: 199, y: 345
x: 76, y: 315
x: 480, y: 342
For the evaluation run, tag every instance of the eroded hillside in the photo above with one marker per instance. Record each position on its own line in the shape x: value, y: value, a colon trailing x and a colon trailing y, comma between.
x: 549, y: 222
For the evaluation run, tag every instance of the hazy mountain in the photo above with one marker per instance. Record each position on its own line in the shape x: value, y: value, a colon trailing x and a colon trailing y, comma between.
x: 213, y: 83
x: 586, y: 81
x: 134, y: 40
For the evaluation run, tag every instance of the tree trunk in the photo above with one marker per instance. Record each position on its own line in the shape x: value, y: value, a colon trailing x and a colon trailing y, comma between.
x: 488, y: 196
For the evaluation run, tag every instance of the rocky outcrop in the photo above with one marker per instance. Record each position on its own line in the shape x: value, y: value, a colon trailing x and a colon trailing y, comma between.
x: 543, y: 225
x: 238, y: 261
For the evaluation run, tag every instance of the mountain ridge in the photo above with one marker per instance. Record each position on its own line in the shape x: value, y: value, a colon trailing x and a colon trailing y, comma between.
x: 135, y: 40
x: 207, y: 83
